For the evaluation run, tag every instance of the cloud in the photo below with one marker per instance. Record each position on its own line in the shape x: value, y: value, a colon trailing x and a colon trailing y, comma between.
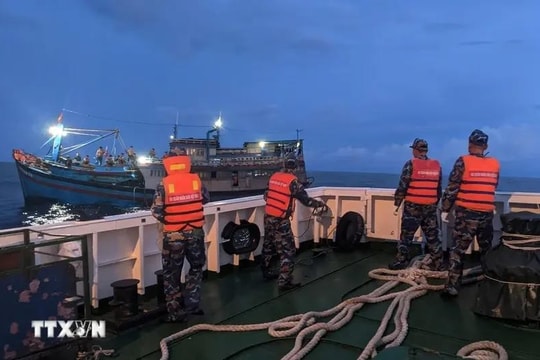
x: 11, y: 21
x: 349, y: 152
x: 185, y: 29
x: 514, y: 145
x: 362, y: 79
x: 443, y: 27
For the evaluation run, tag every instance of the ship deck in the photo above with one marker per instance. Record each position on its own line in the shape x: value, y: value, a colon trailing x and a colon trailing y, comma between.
x: 240, y: 296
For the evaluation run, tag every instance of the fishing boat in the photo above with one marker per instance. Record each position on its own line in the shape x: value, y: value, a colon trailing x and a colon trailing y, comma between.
x: 229, y: 172
x: 61, y: 177
x: 110, y: 270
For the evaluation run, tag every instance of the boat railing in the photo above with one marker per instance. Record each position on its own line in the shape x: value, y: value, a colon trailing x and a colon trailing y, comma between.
x: 27, y: 251
x: 223, y: 161
x: 127, y: 246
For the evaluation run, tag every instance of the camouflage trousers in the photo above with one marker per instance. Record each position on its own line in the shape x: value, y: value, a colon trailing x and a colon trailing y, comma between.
x: 425, y: 217
x: 177, y: 246
x: 279, y: 239
x: 468, y: 224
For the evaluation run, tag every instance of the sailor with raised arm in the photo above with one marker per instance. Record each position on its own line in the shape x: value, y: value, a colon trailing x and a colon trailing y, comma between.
x: 283, y: 189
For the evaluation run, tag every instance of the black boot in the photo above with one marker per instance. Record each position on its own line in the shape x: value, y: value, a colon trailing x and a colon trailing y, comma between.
x: 269, y: 275
x: 436, y: 263
x: 398, y: 265
x: 401, y: 262
x: 179, y: 317
x: 449, y: 292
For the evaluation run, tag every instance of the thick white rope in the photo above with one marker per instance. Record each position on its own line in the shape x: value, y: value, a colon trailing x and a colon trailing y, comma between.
x: 522, y: 240
x: 305, y: 324
x: 483, y: 350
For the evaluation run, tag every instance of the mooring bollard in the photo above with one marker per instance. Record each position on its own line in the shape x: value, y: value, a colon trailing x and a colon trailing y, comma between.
x: 125, y: 298
x: 160, y: 287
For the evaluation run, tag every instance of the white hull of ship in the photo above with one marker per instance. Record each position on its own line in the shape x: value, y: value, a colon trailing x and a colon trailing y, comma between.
x: 126, y: 246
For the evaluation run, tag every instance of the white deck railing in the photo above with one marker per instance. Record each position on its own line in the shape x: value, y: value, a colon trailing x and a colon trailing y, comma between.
x: 125, y: 246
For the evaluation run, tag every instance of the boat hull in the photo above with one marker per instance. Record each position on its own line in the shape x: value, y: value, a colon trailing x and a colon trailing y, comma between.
x: 39, y: 186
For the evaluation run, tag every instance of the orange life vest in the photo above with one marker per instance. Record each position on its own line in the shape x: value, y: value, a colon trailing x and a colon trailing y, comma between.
x: 279, y: 200
x: 478, y: 184
x: 183, y: 205
x: 423, y: 188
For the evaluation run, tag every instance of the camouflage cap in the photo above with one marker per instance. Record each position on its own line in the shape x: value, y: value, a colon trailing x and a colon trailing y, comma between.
x: 419, y: 144
x: 478, y: 137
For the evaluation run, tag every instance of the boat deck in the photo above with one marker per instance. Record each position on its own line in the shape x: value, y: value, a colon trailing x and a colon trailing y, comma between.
x: 241, y: 297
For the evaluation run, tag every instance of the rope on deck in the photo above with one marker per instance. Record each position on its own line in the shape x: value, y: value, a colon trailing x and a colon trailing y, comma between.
x: 517, y: 244
x: 483, y: 350
x: 306, y: 324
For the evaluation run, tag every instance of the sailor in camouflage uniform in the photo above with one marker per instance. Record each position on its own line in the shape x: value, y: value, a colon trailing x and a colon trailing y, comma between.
x: 283, y: 189
x: 420, y: 190
x: 178, y: 206
x: 471, y: 192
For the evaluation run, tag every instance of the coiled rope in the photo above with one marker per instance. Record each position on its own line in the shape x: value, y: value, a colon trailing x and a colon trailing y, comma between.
x: 483, y: 350
x: 519, y: 239
x: 305, y: 324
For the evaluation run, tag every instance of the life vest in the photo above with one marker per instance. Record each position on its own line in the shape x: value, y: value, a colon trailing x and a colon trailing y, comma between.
x: 424, y: 184
x: 183, y: 205
x: 279, y: 200
x: 478, y: 184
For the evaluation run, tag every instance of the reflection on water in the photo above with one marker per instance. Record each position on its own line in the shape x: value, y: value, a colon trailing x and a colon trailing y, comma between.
x: 55, y: 213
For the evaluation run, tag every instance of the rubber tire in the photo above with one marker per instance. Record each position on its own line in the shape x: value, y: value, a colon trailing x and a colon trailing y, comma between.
x: 254, y: 235
x: 349, y: 231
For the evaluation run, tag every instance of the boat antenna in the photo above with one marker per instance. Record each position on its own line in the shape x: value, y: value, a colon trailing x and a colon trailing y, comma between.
x: 298, y: 131
x: 175, y: 128
x: 217, y: 125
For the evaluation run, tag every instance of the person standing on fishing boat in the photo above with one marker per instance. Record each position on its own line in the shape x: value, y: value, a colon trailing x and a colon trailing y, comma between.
x: 178, y: 206
x: 419, y: 191
x: 131, y: 155
x: 471, y: 193
x: 283, y: 188
x: 99, y: 155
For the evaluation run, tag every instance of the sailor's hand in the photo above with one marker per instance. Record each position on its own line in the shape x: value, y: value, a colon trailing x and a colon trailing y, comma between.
x: 444, y: 217
x: 396, y: 212
x: 321, y: 205
x: 320, y: 208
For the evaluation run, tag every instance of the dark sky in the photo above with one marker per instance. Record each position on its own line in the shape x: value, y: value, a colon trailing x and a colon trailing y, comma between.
x: 361, y: 78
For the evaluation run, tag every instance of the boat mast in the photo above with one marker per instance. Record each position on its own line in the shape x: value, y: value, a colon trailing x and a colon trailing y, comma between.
x: 175, y: 129
x: 217, y: 125
x: 299, y: 150
x: 58, y: 133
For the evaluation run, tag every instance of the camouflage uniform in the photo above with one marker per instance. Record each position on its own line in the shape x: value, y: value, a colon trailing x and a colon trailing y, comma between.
x: 468, y: 224
x: 278, y: 238
x: 414, y: 216
x: 177, y: 246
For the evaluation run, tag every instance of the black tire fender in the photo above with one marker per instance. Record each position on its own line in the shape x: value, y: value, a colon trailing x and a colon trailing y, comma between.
x: 349, y: 231
x: 249, y: 240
